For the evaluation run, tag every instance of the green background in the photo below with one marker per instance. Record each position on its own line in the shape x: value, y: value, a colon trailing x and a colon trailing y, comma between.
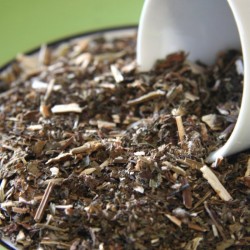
x: 26, y: 24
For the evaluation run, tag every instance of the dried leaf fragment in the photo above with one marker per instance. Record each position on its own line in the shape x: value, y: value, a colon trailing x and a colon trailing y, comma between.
x: 54, y: 171
x: 213, y: 121
x: 225, y: 244
x: 139, y: 189
x: 20, y: 237
x: 194, y: 243
x: 215, y: 183
x: 38, y: 147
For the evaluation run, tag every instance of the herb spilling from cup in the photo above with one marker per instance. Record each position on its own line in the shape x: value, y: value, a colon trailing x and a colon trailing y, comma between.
x: 97, y: 155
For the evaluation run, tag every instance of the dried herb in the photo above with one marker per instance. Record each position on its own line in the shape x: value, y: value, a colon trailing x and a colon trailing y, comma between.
x: 96, y: 155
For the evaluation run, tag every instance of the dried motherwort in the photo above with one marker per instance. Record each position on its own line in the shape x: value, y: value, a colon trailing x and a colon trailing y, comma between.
x: 97, y: 155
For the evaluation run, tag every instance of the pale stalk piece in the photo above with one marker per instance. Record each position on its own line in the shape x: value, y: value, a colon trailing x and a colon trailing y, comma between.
x: 80, y: 47
x: 174, y: 219
x: 202, y: 200
x: 65, y: 143
x: 29, y: 62
x: 35, y: 127
x: 56, y: 181
x: 180, y: 127
x: 204, y: 132
x: 63, y: 206
x: 196, y: 227
x: 9, y: 193
x: 105, y: 124
x: 187, y: 194
x: 139, y: 153
x: 2, y: 216
x: 20, y: 236
x: 49, y: 90
x: 154, y: 241
x: 44, y: 110
x: 248, y: 168
x: 59, y: 158
x: 87, y: 148
x: 13, y: 119
x: 49, y: 217
x: 2, y: 186
x: 215, y: 183
x: 147, y: 97
x: 9, y: 204
x: 139, y: 189
x: 217, y: 162
x: 54, y: 228
x: 175, y: 169
x: 41, y: 209
x: 86, y: 62
x: 44, y: 56
x: 129, y: 67
x: 193, y: 244
x: 39, y: 85
x: 107, y: 85
x: 109, y: 56
x: 66, y: 108
x: 191, y: 97
x: 21, y: 200
x: 216, y: 223
x: 55, y: 243
x: 215, y: 231
x: 191, y: 163
x: 8, y: 147
x: 20, y: 210
x: 116, y: 74
x: 83, y: 60
x: 88, y: 171
x: 7, y: 93
x: 104, y: 164
x: 54, y: 171
x: 39, y: 197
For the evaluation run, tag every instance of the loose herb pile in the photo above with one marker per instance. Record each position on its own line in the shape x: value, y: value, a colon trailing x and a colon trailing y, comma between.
x: 97, y: 155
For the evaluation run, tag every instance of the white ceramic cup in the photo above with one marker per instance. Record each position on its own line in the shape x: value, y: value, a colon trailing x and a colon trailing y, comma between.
x: 202, y: 28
